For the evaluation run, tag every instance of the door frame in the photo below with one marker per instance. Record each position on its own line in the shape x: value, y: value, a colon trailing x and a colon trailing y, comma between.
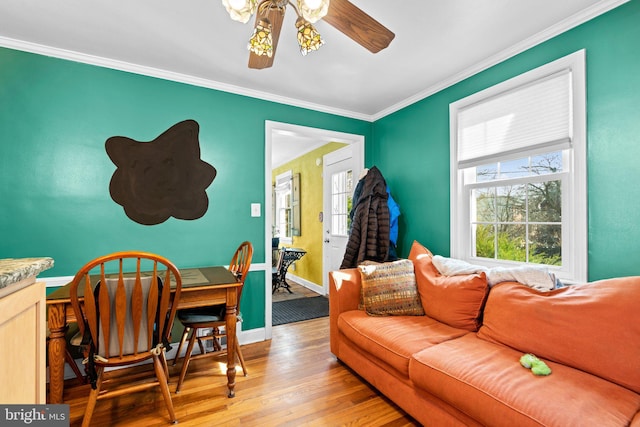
x: 272, y: 128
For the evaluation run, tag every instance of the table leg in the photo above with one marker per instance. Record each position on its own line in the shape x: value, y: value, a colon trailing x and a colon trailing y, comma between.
x: 231, y: 320
x: 57, y: 323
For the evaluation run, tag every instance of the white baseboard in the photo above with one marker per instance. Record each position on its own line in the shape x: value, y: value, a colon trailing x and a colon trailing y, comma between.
x: 307, y: 284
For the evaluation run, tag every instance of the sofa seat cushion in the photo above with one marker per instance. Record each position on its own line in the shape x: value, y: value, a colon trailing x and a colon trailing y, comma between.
x: 594, y: 327
x: 394, y: 339
x: 486, y: 381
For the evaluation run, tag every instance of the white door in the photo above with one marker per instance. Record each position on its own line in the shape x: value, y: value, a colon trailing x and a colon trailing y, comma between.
x: 341, y: 169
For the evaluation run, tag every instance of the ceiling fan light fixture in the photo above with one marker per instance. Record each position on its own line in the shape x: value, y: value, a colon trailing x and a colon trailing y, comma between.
x: 261, y: 41
x: 313, y: 10
x: 240, y: 10
x: 309, y: 38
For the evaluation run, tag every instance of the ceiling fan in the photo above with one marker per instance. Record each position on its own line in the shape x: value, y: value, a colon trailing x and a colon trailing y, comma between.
x: 341, y: 14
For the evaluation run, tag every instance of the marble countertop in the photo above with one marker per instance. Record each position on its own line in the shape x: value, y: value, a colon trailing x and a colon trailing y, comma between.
x: 13, y: 270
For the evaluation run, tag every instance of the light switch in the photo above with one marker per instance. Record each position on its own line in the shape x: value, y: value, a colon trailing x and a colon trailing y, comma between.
x: 255, y: 209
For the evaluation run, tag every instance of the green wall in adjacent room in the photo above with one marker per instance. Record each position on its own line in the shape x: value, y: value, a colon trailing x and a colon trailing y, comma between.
x: 55, y: 116
x: 411, y: 146
x: 311, y: 196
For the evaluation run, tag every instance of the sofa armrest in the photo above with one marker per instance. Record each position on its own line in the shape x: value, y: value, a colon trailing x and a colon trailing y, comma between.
x: 344, y: 290
x: 344, y: 295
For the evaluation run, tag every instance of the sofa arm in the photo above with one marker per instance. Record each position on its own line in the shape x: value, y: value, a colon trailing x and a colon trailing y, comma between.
x: 344, y: 295
x: 344, y: 290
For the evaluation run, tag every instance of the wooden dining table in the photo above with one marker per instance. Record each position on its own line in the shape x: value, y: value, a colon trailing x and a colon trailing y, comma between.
x: 201, y: 287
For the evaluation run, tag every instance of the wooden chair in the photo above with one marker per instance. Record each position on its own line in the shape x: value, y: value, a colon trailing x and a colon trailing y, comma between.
x: 213, y: 318
x: 127, y: 318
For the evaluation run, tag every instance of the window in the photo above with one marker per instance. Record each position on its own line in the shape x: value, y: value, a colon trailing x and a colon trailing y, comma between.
x: 283, y: 212
x: 518, y: 172
x: 341, y: 202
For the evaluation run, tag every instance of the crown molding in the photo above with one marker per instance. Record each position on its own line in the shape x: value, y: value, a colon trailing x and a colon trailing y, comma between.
x: 172, y: 76
x: 553, y: 31
x: 598, y: 9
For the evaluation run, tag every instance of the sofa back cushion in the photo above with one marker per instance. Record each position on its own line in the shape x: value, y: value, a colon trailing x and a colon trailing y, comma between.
x: 593, y: 327
x: 454, y: 300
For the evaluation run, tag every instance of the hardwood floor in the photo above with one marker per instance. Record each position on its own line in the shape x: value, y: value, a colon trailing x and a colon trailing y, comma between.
x: 293, y: 380
x: 298, y: 290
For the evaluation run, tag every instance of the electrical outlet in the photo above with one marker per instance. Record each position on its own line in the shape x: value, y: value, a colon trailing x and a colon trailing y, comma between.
x: 255, y: 209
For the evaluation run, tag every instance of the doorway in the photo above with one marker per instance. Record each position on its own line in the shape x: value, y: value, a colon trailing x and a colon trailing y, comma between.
x: 274, y: 133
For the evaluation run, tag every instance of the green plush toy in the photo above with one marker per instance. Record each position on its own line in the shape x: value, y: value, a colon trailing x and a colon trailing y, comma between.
x: 537, y: 366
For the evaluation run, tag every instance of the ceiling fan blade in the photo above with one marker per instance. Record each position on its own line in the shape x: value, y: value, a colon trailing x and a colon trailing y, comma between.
x: 358, y: 26
x: 275, y: 16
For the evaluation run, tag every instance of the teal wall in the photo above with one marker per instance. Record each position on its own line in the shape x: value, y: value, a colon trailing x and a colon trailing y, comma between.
x: 55, y: 116
x: 411, y: 146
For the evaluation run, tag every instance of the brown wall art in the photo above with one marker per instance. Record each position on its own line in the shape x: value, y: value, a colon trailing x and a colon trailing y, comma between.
x: 162, y: 178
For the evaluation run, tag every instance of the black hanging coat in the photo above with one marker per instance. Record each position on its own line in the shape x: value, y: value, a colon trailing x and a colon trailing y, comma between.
x: 370, y: 227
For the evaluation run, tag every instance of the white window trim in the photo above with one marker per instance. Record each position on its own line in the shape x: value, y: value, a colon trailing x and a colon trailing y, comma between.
x: 574, y: 244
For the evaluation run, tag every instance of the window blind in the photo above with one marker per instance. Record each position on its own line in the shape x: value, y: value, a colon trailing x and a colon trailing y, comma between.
x: 283, y: 182
x: 533, y: 116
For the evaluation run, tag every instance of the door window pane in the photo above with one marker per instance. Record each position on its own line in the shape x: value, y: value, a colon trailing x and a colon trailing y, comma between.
x: 341, y: 201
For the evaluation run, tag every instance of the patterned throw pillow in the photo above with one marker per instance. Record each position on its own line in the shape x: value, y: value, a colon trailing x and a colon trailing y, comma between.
x: 389, y: 289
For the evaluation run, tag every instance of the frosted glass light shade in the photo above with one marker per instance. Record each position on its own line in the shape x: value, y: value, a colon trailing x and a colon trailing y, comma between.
x: 313, y: 10
x: 240, y: 10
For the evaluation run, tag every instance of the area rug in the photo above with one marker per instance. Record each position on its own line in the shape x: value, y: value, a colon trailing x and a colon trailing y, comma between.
x: 299, y: 309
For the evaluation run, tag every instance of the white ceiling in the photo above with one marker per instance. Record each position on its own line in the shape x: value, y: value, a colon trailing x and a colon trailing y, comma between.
x: 288, y: 145
x: 195, y: 41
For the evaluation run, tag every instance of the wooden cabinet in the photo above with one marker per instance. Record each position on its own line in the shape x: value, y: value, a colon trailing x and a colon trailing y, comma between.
x: 23, y: 343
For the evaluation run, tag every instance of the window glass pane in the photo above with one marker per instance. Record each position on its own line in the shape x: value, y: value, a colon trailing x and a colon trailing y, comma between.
x: 485, y: 202
x: 485, y: 238
x: 341, y: 195
x: 512, y: 243
x: 335, y: 222
x: 545, y: 243
x: 487, y: 172
x: 337, y: 184
x: 335, y: 204
x: 547, y: 163
x: 282, y: 226
x: 511, y: 203
x: 514, y: 168
x: 545, y: 201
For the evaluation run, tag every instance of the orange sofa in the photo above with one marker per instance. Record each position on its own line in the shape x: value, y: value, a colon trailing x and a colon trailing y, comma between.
x: 458, y: 364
